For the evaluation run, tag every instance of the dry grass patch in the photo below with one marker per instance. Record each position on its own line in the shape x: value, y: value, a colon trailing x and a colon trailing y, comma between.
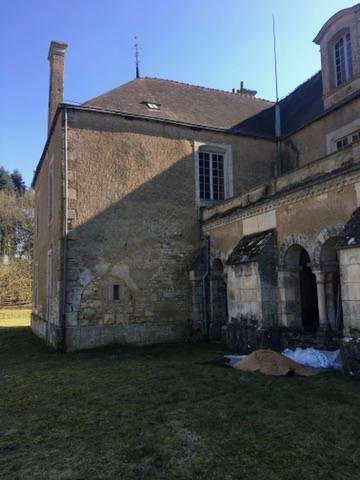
x: 14, y: 317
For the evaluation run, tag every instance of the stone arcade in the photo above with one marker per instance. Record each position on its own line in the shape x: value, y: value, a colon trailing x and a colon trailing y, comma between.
x: 167, y: 211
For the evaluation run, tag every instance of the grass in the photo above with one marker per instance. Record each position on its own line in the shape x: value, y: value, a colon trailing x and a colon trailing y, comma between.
x: 14, y: 317
x: 156, y: 413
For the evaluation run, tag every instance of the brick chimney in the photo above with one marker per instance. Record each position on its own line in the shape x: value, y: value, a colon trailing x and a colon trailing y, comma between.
x: 56, y: 56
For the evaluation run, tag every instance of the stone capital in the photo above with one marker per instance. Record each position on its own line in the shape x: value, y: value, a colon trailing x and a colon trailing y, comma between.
x: 320, y: 276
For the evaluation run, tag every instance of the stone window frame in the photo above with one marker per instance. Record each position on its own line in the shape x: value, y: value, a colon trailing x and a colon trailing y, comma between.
x: 226, y: 151
x: 339, y: 133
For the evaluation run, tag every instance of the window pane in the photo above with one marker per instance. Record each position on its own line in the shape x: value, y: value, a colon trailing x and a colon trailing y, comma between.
x: 204, y: 175
x: 116, y: 292
x: 218, y: 176
x: 349, y: 56
x: 340, y: 62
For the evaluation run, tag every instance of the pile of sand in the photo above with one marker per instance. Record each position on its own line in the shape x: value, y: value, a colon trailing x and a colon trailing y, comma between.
x: 272, y: 363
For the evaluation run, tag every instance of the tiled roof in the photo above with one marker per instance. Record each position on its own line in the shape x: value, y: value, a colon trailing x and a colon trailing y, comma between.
x: 297, y: 109
x: 181, y: 102
x: 249, y: 247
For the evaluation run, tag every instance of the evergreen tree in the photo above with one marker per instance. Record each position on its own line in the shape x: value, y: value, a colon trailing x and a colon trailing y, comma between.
x: 18, y: 182
x: 6, y: 182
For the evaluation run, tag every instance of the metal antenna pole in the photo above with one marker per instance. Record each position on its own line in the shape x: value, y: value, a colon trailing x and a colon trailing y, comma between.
x: 137, y: 48
x: 277, y: 109
x: 275, y: 61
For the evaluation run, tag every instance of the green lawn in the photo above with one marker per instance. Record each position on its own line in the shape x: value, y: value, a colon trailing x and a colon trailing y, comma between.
x: 14, y: 317
x: 155, y: 413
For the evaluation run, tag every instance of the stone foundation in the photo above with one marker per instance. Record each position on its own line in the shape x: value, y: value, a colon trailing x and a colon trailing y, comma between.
x: 49, y: 332
x: 80, y: 338
x: 244, y: 336
x: 322, y: 339
x: 350, y: 355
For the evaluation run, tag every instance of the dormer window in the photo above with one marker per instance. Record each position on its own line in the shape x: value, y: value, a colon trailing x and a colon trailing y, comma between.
x: 343, y: 59
x: 152, y: 106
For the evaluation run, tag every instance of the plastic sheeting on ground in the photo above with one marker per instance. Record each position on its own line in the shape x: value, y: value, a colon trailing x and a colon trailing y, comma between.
x: 232, y: 359
x: 311, y: 357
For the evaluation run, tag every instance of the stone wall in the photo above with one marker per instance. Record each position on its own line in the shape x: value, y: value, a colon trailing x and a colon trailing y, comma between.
x: 310, y: 142
x: 350, y: 289
x: 134, y: 223
x: 310, y: 214
x: 49, y: 236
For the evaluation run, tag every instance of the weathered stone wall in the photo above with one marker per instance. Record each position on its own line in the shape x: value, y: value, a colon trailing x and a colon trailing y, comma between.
x: 310, y: 142
x: 134, y: 223
x: 244, y: 292
x: 309, y: 210
x: 350, y: 289
x: 48, y: 236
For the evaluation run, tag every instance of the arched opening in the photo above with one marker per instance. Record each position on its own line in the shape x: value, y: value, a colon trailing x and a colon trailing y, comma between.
x: 330, y: 266
x: 300, y: 291
x: 308, y: 294
x: 218, y: 300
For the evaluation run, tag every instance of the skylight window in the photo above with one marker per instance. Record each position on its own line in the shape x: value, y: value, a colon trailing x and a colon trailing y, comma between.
x: 152, y: 106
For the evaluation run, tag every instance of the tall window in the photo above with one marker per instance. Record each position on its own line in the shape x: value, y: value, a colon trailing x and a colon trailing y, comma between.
x: 343, y: 59
x: 36, y: 285
x: 49, y: 286
x: 50, y: 192
x: 211, y: 175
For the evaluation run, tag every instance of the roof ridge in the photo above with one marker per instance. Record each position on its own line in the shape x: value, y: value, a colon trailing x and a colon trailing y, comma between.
x: 301, y: 84
x: 205, y: 88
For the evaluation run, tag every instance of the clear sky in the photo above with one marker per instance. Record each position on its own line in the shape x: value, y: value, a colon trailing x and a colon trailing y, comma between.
x: 215, y: 43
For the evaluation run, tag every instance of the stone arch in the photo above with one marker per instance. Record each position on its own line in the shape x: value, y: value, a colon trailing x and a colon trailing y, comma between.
x: 295, y: 239
x: 325, y: 235
x: 298, y: 290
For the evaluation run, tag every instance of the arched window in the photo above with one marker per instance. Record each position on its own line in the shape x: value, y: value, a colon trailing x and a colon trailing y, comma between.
x: 343, y: 59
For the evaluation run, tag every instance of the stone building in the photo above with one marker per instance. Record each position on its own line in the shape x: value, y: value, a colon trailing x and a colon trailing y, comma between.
x: 166, y: 211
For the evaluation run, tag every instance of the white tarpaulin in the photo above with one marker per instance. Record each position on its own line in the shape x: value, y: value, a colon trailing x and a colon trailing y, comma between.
x: 311, y: 357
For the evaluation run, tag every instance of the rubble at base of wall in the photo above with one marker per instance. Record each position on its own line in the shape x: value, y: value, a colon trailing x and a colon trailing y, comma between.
x: 322, y: 339
x: 244, y: 335
x: 350, y: 355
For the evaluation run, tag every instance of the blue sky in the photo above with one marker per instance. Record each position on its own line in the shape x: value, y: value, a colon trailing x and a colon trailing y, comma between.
x: 215, y: 43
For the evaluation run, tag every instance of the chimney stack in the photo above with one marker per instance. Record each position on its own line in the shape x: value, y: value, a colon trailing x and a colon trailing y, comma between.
x: 56, y: 56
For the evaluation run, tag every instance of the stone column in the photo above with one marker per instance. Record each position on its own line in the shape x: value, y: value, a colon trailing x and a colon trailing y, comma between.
x: 330, y: 300
x: 321, y: 294
x: 350, y: 288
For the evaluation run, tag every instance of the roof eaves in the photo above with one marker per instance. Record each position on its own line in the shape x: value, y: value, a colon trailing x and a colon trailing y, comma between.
x: 52, y: 128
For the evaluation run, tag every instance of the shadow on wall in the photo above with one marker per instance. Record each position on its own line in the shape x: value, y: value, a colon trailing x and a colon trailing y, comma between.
x: 128, y: 265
